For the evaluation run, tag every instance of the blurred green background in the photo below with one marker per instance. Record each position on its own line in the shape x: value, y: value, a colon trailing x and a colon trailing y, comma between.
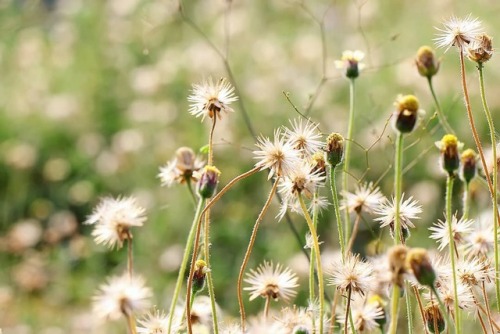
x: 93, y: 102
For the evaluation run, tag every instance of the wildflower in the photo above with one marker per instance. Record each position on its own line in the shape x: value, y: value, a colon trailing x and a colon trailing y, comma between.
x: 113, y: 219
x: 417, y: 260
x: 480, y: 242
x: 352, y: 274
x: 465, y: 297
x: 271, y: 282
x: 350, y: 63
x: 407, y: 113
x: 301, y: 180
x: 304, y: 136
x: 472, y: 272
x: 459, y: 32
x: 460, y: 228
x: 279, y: 156
x: 334, y: 149
x: 408, y: 210
x: 366, y: 198
x: 318, y: 204
x: 364, y: 315
x: 480, y: 51
x: 297, y: 320
x: 121, y: 295
x: 182, y: 168
x: 207, y: 181
x: 210, y: 98
x: 434, y: 318
x: 156, y: 322
x: 426, y: 62
x: 449, y: 146
x: 468, y: 166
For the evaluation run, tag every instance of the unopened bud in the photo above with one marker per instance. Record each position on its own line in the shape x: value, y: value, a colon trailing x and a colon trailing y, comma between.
x: 417, y: 260
x: 300, y: 329
x: 200, y: 275
x: 397, y: 259
x: 207, y: 181
x: 334, y: 149
x: 468, y: 167
x: 450, y: 158
x: 426, y: 62
x: 434, y: 318
x: 406, y: 114
x: 351, y: 63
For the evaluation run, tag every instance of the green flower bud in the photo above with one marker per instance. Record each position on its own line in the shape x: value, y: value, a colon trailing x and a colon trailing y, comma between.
x: 207, y: 181
x: 199, y: 277
x: 334, y: 149
x: 450, y: 158
x: 468, y: 166
x: 426, y: 62
x: 417, y: 260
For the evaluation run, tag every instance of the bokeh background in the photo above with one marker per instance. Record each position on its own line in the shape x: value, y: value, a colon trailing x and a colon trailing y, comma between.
x: 93, y: 102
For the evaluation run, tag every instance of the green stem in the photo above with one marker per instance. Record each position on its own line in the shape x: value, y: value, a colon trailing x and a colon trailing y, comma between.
x: 347, y: 156
x: 185, y: 258
x: 336, y: 206
x: 442, y: 118
x: 466, y: 203
x: 408, y: 309
x: 441, y: 305
x: 321, y: 288
x: 348, y: 310
x: 494, y: 197
x: 313, y: 259
x: 210, y: 283
x: 449, y: 190
x: 398, y: 163
x: 190, y: 189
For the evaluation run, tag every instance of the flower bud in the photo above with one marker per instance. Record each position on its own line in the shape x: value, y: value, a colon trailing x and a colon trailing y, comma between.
x: 350, y: 63
x: 300, y: 329
x: 426, y: 62
x: 480, y: 51
x: 319, y: 163
x: 468, y: 167
x: 397, y: 257
x: 334, y: 149
x: 450, y: 158
x: 207, y: 181
x: 407, y: 112
x: 200, y: 275
x: 434, y: 318
x: 417, y: 260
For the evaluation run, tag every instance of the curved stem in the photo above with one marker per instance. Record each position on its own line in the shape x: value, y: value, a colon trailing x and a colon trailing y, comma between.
x: 249, y: 251
x: 420, y: 308
x: 347, y: 155
x: 210, y: 283
x: 336, y: 206
x: 487, y: 303
x: 354, y: 233
x: 442, y: 118
x: 494, y: 197
x: 313, y: 259
x: 321, y: 288
x: 449, y: 190
x: 266, y: 306
x: 182, y: 270
x: 441, y: 305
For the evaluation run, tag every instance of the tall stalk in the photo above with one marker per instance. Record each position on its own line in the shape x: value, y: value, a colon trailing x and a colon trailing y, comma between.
x: 336, y: 206
x: 347, y: 156
x: 442, y: 118
x: 210, y: 283
x: 494, y: 197
x: 449, y: 190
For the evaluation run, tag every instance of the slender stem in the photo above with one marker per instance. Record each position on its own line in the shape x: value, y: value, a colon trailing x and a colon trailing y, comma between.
x: 494, y: 197
x: 347, y: 155
x: 348, y: 308
x: 420, y: 308
x: 266, y: 306
x: 130, y: 323
x: 441, y: 305
x: 408, y: 309
x: 449, y: 190
x: 130, y: 260
x: 481, y: 321
x: 313, y: 259
x: 190, y: 189
x: 398, y: 163
x: 249, y: 251
x: 211, y: 141
x: 182, y: 270
x: 442, y: 118
x: 334, y: 308
x: 336, y: 206
x: 321, y: 288
x: 487, y: 302
x: 210, y: 283
x: 354, y: 232
x: 466, y: 202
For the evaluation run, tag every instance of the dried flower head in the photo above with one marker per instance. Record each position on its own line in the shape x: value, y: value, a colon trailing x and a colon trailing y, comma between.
x: 434, y: 318
x: 350, y: 63
x: 211, y: 98
x: 407, y: 113
x: 270, y: 282
x: 297, y: 320
x: 471, y: 272
x: 113, y: 220
x: 304, y: 136
x: 408, y: 210
x: 480, y: 242
x: 426, y: 62
x: 449, y: 146
x: 468, y: 165
x: 156, y: 322
x: 366, y: 198
x: 302, y: 180
x: 279, y: 156
x: 465, y: 297
x: 459, y: 32
x: 353, y: 274
x: 182, y: 168
x: 121, y: 295
x: 318, y: 162
x: 480, y: 51
x: 460, y: 229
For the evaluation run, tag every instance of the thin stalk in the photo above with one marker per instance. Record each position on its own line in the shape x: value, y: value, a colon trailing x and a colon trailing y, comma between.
x: 348, y: 309
x: 466, y: 202
x: 408, y: 309
x: 130, y: 260
x: 494, y: 198
x: 334, y: 308
x: 211, y: 142
x: 249, y: 251
x: 420, y: 308
x: 266, y: 306
x: 321, y: 288
x: 347, y: 155
x: 481, y: 321
x: 441, y: 305
x: 487, y: 302
x: 449, y: 190
x: 185, y: 257
x: 313, y: 259
x: 210, y: 283
x: 190, y: 189
x: 130, y: 323
x: 354, y: 232
x: 336, y: 206
x: 442, y: 118
x: 398, y: 163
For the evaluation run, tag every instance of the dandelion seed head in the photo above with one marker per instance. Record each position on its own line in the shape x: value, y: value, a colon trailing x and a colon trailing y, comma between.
x: 458, y: 32
x: 211, y: 98
x: 304, y: 136
x: 366, y: 198
x: 274, y: 282
x: 354, y: 274
x: 460, y: 229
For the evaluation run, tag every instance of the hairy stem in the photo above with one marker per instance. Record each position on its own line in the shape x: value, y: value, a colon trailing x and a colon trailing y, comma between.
x: 442, y: 118
x: 347, y: 309
x: 354, y: 232
x: 210, y: 283
x: 347, y: 155
x: 449, y: 190
x: 336, y: 206
x: 130, y: 260
x: 408, y: 309
x: 420, y: 308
